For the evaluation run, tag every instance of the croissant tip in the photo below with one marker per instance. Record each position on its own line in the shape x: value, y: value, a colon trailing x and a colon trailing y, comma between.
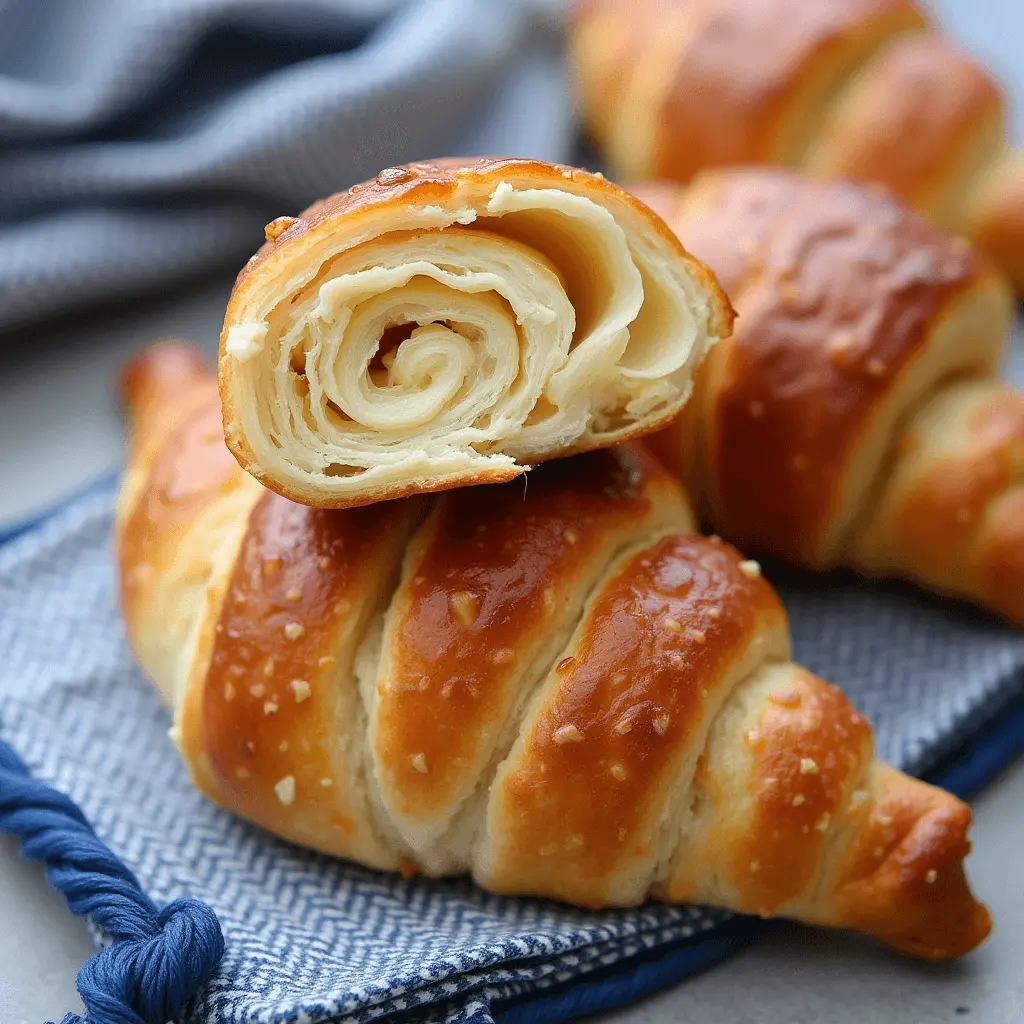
x: 965, y: 936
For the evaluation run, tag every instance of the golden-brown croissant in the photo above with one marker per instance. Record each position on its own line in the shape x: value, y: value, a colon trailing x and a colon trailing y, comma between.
x: 855, y: 416
x: 557, y: 688
x: 863, y: 89
x: 449, y: 323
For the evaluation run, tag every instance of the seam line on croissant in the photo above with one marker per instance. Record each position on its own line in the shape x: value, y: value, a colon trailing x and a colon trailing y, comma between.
x: 827, y: 101
x: 364, y: 676
x: 456, y: 846
x: 871, y: 504
x: 682, y: 820
x: 529, y: 700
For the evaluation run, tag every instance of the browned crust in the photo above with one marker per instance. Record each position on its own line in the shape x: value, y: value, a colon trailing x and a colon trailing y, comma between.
x: 187, y: 469
x: 903, y: 880
x: 996, y: 223
x: 657, y: 645
x: 938, y: 520
x: 162, y: 369
x: 658, y: 640
x: 886, y: 859
x: 267, y: 709
x: 730, y: 216
x: 159, y: 387
x: 840, y: 294
x: 754, y: 66
x: 795, y: 812
x: 763, y: 80
x: 1001, y: 568
x: 920, y: 105
x: 429, y: 183
x: 479, y: 593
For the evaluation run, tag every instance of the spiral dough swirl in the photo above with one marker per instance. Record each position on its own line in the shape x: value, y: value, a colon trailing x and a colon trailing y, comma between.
x: 448, y: 325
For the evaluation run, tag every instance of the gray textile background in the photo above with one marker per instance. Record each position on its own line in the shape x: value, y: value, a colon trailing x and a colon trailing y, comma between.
x: 143, y: 142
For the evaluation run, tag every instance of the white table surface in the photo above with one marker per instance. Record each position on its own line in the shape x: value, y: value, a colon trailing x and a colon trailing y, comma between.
x: 60, y: 428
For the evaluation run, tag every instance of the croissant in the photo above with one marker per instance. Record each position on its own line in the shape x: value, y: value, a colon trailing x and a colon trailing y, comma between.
x: 855, y: 417
x: 450, y: 323
x: 862, y: 89
x: 561, y: 690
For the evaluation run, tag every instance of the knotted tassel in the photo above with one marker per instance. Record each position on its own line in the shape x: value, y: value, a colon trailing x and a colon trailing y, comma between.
x: 158, y: 958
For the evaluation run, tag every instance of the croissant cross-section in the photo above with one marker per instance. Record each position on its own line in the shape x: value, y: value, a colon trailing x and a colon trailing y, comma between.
x: 564, y: 693
x: 449, y: 324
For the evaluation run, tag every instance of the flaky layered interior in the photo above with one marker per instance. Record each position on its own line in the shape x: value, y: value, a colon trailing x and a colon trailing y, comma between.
x: 396, y: 348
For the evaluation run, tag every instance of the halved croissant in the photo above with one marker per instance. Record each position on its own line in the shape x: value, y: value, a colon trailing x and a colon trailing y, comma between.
x: 855, y: 416
x: 863, y: 89
x: 559, y: 689
x: 449, y: 323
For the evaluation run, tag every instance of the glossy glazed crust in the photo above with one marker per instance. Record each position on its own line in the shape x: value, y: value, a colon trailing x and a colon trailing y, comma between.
x: 432, y: 182
x: 186, y: 474
x: 159, y: 390
x: 487, y: 581
x: 431, y: 185
x: 651, y: 664
x: 303, y: 588
x: 865, y: 89
x: 182, y: 493
x: 731, y: 214
x: 804, y: 750
x: 840, y: 291
x: 833, y: 427
x: 176, y: 448
x: 575, y: 701
x: 812, y: 811
x: 903, y: 878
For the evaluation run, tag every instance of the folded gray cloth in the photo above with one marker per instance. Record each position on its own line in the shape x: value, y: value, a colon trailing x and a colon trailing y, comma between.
x: 144, y: 141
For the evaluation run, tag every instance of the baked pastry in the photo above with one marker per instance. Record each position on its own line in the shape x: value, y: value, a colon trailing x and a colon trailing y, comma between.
x: 451, y: 323
x: 862, y: 89
x: 561, y: 690
x: 855, y: 417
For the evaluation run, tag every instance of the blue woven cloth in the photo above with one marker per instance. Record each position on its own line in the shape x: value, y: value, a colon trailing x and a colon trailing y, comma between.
x: 145, y: 141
